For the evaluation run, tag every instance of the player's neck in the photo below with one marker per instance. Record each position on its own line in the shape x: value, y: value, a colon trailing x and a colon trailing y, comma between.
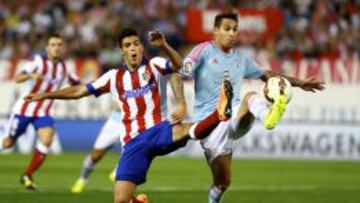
x: 131, y: 67
x: 134, y: 67
x: 53, y: 59
x: 222, y: 48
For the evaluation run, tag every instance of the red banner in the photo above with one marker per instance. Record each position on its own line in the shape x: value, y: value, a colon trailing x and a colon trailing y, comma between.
x: 333, y: 71
x: 254, y: 24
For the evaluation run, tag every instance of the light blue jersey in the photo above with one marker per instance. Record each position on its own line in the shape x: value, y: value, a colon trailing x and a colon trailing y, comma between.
x: 208, y: 64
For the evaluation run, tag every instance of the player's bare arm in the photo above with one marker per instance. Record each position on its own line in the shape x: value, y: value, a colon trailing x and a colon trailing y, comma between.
x: 309, y: 84
x: 177, y: 87
x: 73, y: 92
x: 158, y: 39
x: 26, y: 76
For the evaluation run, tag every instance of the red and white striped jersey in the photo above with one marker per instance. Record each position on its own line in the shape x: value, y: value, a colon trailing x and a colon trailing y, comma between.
x: 53, y: 77
x: 137, y: 93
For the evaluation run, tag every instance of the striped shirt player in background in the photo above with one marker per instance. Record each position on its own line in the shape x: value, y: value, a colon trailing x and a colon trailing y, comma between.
x: 43, y: 74
x: 207, y: 63
x: 108, y: 137
x: 144, y: 133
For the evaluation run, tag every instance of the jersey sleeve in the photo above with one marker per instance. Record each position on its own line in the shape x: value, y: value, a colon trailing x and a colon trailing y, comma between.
x: 192, y: 61
x: 72, y: 77
x: 161, y: 65
x: 253, y: 70
x: 101, y: 85
x: 31, y: 66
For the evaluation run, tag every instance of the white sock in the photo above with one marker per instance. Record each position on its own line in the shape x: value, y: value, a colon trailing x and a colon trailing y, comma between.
x: 88, y: 167
x: 42, y: 148
x: 215, y: 194
x: 192, y: 131
x: 258, y: 106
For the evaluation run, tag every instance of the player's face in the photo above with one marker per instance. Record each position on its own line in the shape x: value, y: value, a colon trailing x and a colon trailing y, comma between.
x: 226, y: 33
x: 55, y: 48
x: 132, y: 50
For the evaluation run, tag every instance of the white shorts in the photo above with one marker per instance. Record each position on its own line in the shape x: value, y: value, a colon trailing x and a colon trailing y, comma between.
x: 109, y: 134
x: 221, y: 140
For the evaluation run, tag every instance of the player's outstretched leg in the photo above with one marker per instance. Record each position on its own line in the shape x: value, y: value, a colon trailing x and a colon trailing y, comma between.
x: 269, y: 114
x: 275, y: 113
x: 223, y: 112
x: 224, y: 106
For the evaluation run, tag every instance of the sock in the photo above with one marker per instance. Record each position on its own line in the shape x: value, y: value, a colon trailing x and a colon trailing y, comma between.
x: 88, y: 167
x: 215, y: 194
x: 258, y: 106
x: 203, y: 128
x: 39, y: 157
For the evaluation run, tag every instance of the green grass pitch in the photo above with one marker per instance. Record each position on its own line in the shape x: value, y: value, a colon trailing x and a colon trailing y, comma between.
x: 185, y: 180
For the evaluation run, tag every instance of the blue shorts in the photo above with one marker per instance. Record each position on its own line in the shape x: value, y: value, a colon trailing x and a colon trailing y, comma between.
x: 18, y: 124
x: 139, y: 152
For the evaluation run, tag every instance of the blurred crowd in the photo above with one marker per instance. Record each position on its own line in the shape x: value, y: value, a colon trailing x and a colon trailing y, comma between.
x: 312, y: 28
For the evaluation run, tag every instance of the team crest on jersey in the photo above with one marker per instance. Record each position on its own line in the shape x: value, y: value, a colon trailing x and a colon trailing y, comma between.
x: 187, y: 68
x: 146, y: 76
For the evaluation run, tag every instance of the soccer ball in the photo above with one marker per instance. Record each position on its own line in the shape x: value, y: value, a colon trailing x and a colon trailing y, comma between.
x: 275, y: 86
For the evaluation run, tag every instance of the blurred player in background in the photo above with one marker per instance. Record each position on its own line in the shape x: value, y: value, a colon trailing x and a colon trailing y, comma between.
x: 145, y: 133
x: 109, y: 135
x: 43, y: 74
x: 207, y: 63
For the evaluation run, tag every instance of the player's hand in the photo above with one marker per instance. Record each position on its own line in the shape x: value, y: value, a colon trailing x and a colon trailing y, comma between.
x: 178, y: 115
x: 311, y: 84
x: 34, y: 97
x: 157, y: 38
x: 36, y: 76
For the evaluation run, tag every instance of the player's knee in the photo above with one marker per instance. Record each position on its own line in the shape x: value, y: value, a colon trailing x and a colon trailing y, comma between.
x: 96, y: 155
x: 47, y: 141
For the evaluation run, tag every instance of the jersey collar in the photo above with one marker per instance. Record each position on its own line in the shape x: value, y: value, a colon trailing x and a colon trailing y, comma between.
x: 231, y: 51
x: 143, y: 62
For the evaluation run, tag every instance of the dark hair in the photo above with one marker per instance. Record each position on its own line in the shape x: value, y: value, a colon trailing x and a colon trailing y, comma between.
x: 228, y: 15
x: 52, y: 35
x: 127, y: 32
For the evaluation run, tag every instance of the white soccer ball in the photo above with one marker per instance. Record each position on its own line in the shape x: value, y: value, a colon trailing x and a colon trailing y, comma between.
x: 275, y: 86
